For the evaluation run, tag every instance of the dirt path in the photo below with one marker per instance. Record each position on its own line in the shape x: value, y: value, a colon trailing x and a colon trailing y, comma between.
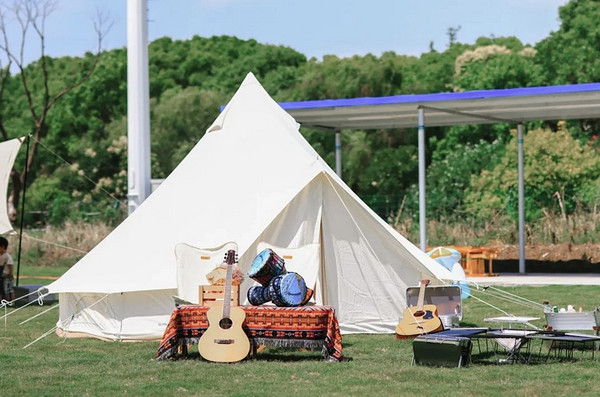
x: 557, y: 252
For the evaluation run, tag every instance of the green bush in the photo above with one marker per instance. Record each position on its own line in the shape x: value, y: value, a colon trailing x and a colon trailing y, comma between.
x: 559, y: 174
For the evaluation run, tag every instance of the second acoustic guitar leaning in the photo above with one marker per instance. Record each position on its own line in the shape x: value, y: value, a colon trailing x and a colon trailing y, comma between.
x: 419, y: 320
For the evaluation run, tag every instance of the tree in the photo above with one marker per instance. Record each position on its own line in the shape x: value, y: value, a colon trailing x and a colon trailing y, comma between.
x: 358, y: 76
x: 448, y: 176
x: 433, y: 71
x: 495, y: 67
x: 554, y: 162
x: 452, y: 32
x: 40, y: 97
x: 572, y: 54
x: 178, y: 121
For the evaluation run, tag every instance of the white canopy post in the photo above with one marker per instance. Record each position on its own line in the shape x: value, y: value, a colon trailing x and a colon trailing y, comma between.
x: 422, y: 215
x: 138, y: 108
x: 338, y: 153
x: 521, y: 198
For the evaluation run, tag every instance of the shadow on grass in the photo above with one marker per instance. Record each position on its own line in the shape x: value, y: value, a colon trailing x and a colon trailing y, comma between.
x: 273, y: 354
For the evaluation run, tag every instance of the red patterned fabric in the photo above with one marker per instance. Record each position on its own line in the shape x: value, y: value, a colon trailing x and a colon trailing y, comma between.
x: 306, y: 326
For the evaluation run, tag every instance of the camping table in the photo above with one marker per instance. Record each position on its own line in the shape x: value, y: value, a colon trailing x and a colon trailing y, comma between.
x: 510, y: 320
x: 515, y: 343
x: 563, y: 343
x: 303, y: 327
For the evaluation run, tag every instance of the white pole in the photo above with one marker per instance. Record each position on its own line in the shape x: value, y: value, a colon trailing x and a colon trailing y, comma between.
x: 138, y: 109
x: 422, y: 215
x: 338, y: 153
x: 521, y: 198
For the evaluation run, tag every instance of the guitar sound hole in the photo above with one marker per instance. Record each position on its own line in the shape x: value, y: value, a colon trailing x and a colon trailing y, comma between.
x: 225, y: 323
x: 419, y: 313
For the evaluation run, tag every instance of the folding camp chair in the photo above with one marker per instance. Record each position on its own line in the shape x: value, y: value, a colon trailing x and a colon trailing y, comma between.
x: 192, y: 266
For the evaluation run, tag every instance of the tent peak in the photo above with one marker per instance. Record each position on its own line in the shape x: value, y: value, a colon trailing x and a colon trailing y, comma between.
x: 217, y: 125
x: 250, y: 79
x: 256, y: 99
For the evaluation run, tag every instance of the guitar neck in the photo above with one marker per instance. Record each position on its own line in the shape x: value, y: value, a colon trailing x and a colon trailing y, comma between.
x: 228, y: 281
x: 421, y: 299
x: 227, y: 296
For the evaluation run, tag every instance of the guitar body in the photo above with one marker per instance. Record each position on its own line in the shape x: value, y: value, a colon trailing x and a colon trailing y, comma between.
x: 224, y: 345
x: 418, y: 322
x: 225, y: 340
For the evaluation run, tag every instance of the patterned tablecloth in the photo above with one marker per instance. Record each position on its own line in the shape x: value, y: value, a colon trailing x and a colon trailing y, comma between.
x: 306, y: 326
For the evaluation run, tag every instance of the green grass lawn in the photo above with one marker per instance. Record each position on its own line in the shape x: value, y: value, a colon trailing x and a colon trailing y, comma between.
x: 39, y: 275
x: 375, y: 364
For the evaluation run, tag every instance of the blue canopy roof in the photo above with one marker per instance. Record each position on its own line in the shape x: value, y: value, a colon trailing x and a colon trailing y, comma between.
x: 577, y: 101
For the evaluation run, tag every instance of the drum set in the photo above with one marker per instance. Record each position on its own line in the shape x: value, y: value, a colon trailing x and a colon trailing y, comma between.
x: 277, y: 285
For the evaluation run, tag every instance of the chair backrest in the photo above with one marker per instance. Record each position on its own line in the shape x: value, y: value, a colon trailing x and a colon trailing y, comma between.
x: 193, y: 264
x: 578, y: 321
x: 304, y: 260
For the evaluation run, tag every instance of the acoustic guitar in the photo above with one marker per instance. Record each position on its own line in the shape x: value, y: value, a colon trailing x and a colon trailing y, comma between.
x: 420, y: 319
x: 225, y: 341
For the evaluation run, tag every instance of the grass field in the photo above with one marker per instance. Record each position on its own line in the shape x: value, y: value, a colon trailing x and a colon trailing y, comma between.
x: 374, y: 365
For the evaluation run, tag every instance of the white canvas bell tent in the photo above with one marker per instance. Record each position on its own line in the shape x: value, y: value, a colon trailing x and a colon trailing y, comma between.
x: 8, y: 154
x: 251, y: 179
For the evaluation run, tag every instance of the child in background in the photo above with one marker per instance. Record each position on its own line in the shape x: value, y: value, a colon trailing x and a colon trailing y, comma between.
x: 7, y: 265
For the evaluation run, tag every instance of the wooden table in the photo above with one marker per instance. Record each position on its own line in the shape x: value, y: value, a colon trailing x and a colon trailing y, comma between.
x: 299, y: 327
x: 473, y: 260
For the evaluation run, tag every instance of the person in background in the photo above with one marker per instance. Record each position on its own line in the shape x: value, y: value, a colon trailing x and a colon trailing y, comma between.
x: 7, y: 265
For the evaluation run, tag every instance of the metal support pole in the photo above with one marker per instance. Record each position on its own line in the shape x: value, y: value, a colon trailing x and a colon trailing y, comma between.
x: 422, y: 200
x: 521, y: 199
x: 138, y: 108
x: 338, y: 153
x: 26, y: 172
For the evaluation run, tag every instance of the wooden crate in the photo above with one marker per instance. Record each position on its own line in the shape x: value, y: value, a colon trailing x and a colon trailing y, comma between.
x: 213, y: 295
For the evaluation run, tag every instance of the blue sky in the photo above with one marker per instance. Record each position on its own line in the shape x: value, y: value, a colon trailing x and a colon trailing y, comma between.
x: 312, y: 27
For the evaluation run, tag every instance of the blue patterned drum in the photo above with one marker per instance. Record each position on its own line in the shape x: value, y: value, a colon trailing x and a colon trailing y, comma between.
x: 309, y: 294
x: 257, y: 295
x: 265, y: 266
x: 287, y: 290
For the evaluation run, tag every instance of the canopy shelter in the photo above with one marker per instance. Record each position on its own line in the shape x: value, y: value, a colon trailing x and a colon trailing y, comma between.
x: 579, y: 101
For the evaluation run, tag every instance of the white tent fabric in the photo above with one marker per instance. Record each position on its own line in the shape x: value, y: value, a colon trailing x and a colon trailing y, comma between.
x: 252, y: 178
x: 8, y: 154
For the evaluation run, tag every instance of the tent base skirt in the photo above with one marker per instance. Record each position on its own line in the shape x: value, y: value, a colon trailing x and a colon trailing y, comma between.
x: 61, y: 333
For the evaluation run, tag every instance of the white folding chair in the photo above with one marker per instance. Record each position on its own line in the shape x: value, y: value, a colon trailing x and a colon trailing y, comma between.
x: 193, y: 264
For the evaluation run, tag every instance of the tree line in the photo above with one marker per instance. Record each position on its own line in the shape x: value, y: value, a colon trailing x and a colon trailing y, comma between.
x: 471, y: 170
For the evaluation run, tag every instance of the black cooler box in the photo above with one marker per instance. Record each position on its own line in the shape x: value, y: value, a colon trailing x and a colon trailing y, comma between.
x: 442, y: 351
